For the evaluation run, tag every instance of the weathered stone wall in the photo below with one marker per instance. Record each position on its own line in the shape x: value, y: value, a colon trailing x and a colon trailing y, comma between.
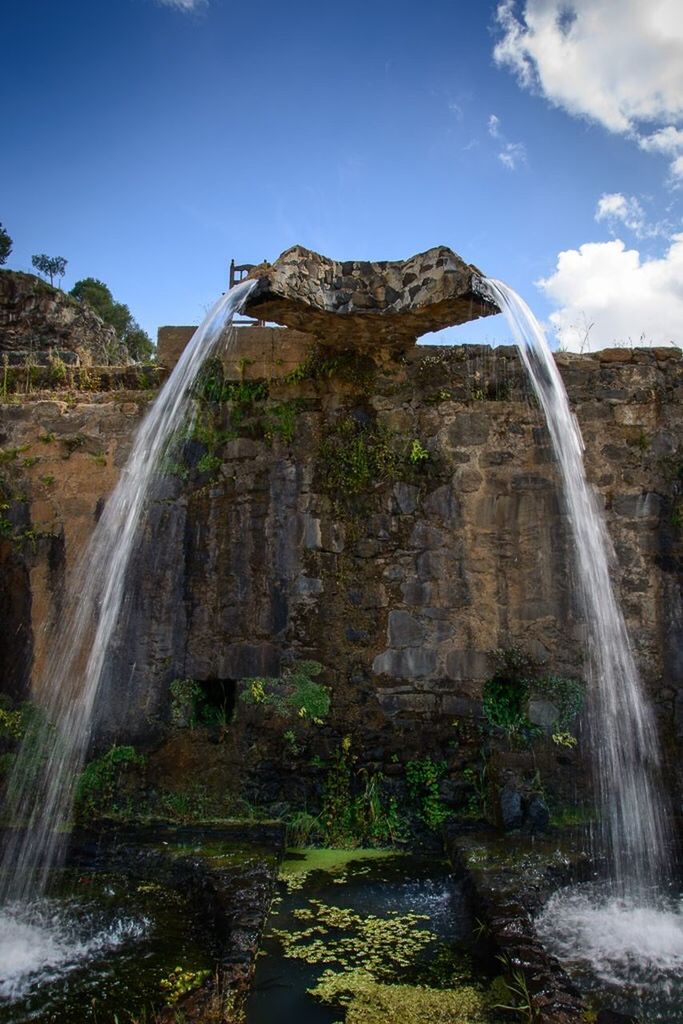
x: 38, y: 321
x: 399, y: 588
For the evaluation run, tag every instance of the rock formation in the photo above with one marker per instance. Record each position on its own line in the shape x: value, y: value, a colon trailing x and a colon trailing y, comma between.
x: 37, y: 319
x: 364, y: 304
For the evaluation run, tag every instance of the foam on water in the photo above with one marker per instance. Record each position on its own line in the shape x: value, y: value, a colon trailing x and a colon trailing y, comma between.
x: 42, y: 941
x: 632, y: 948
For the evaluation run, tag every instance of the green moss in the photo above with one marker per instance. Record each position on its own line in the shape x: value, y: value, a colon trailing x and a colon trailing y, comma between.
x: 303, y: 861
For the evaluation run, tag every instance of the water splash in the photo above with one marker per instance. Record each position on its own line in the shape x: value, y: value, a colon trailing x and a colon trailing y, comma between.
x: 42, y: 941
x: 620, y: 946
x: 41, y: 788
x: 633, y: 832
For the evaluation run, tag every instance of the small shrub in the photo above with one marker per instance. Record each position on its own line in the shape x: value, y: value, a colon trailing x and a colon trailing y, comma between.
x: 98, y: 787
x: 422, y: 778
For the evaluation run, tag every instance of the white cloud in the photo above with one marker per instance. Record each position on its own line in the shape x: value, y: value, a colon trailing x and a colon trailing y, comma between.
x: 188, y: 6
x: 494, y: 126
x: 511, y: 154
x: 616, y: 208
x: 608, y: 295
x: 617, y: 62
x: 665, y: 140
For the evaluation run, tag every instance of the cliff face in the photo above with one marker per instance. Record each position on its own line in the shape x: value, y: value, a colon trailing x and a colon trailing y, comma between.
x: 36, y: 319
x: 394, y: 519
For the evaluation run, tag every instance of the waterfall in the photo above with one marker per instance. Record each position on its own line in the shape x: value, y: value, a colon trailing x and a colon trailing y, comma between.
x: 44, y: 776
x: 632, y: 820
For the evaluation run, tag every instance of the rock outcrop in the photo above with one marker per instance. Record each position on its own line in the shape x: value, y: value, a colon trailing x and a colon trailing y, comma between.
x: 37, y: 320
x: 368, y: 305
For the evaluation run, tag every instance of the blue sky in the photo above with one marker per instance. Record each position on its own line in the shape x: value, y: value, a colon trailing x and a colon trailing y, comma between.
x: 149, y: 141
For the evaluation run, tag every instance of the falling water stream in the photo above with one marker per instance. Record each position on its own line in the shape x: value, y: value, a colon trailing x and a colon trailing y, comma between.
x: 629, y: 926
x: 632, y: 815
x: 42, y: 788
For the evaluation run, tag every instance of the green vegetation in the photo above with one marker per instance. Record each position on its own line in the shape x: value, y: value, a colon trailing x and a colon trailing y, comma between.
x: 357, y: 810
x: 99, y: 791
x: 516, y: 680
x: 50, y: 266
x: 179, y: 982
x: 368, y: 1001
x: 97, y: 295
x: 422, y: 779
x: 417, y: 453
x: 295, y: 695
x: 5, y: 245
x: 349, y: 366
x: 355, y: 456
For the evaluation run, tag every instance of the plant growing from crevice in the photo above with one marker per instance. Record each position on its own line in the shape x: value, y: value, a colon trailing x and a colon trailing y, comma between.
x: 295, y: 695
x: 422, y: 781
x: 99, y: 787
x: 356, y: 456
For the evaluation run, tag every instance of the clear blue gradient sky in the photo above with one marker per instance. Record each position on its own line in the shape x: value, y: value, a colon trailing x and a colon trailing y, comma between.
x: 148, y: 142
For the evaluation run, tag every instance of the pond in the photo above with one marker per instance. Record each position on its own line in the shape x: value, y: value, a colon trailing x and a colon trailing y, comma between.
x: 102, y: 948
x: 363, y: 930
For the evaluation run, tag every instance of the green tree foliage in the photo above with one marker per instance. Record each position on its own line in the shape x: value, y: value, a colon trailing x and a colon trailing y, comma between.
x: 5, y: 245
x: 49, y: 266
x: 97, y: 295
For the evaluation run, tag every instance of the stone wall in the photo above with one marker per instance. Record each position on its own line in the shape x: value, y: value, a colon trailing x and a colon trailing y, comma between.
x: 38, y: 321
x: 400, y: 587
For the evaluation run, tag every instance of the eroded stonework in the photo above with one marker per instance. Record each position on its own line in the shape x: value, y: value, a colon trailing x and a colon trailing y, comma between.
x: 37, y: 319
x: 368, y: 304
x: 401, y: 587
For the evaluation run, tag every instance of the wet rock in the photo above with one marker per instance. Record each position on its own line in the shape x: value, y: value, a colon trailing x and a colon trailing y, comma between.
x: 612, y: 1017
x: 511, y: 808
x: 537, y: 814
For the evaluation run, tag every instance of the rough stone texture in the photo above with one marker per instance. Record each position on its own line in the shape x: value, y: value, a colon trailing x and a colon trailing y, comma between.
x: 367, y: 304
x: 250, y: 353
x: 402, y: 597
x: 36, y: 318
x: 512, y: 879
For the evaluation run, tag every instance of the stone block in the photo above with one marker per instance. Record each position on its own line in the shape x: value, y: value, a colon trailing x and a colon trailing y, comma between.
x: 409, y: 663
x: 403, y: 630
x: 462, y: 665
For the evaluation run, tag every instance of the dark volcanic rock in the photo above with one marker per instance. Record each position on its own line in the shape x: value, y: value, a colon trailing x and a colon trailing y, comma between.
x: 365, y: 304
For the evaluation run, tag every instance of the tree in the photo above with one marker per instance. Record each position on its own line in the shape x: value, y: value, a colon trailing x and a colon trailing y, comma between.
x: 98, y: 296
x: 50, y: 266
x: 5, y: 245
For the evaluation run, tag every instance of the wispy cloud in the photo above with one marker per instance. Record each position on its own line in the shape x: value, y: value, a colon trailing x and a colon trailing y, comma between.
x: 186, y: 6
x: 617, y: 211
x: 511, y: 154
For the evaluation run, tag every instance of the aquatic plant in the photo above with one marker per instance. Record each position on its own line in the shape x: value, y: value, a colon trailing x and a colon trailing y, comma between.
x: 368, y: 1001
